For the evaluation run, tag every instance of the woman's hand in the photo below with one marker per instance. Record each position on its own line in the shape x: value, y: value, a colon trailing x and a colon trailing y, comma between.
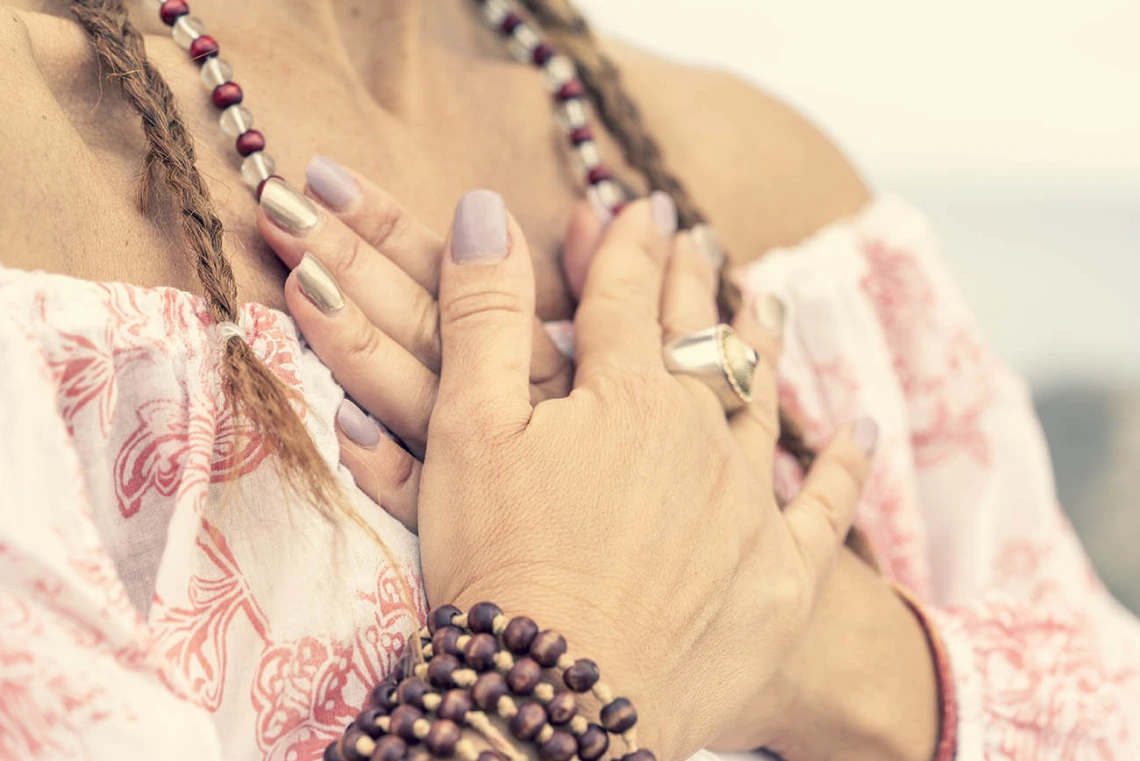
x: 378, y: 330
x: 631, y: 515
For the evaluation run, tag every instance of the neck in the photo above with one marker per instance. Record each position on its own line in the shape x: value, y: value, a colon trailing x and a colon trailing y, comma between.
x: 385, y: 45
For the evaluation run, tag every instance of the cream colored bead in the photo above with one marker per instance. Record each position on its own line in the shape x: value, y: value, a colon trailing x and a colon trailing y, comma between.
x: 544, y: 734
x: 566, y: 660
x: 544, y: 692
x: 421, y: 670
x: 499, y: 624
x: 464, y: 677
x: 504, y: 660
x: 466, y: 750
x: 421, y: 727
x: 432, y: 701
x: 507, y: 707
x: 603, y: 693
x: 579, y: 724
x: 460, y: 621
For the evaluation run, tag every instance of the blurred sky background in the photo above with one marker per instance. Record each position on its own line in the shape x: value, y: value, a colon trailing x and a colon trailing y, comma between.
x: 1016, y: 126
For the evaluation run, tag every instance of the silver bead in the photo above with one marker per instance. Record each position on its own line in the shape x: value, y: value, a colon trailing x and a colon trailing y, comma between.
x: 522, y: 43
x: 187, y: 29
x: 216, y: 71
x: 235, y: 120
x: 572, y: 114
x: 587, y: 156
x: 494, y: 11
x: 256, y: 168
x: 559, y: 70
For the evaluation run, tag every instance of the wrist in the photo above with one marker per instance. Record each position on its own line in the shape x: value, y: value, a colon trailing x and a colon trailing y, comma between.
x: 865, y: 677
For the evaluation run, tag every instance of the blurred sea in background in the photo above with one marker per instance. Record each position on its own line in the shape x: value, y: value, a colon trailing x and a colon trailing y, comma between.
x: 1016, y: 128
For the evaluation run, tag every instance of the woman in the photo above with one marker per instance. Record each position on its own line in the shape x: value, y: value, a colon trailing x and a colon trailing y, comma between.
x: 154, y: 603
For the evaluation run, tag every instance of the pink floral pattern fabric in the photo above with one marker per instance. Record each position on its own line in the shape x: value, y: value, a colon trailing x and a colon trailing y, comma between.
x: 150, y: 608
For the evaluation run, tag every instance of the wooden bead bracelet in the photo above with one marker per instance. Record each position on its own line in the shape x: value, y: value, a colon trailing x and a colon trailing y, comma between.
x: 480, y: 665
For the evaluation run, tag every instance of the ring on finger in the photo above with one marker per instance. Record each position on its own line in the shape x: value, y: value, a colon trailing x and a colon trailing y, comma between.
x: 718, y: 358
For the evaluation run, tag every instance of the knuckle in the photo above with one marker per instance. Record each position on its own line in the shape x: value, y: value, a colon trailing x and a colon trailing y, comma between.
x: 353, y: 257
x: 387, y: 220
x: 826, y: 511
x: 364, y: 342
x: 425, y: 330
x: 480, y: 305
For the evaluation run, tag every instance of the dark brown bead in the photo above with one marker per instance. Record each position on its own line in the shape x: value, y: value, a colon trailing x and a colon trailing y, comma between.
x: 455, y: 705
x: 348, y: 749
x: 518, y: 635
x: 480, y: 652
x: 524, y: 676
x: 582, y: 675
x: 381, y: 696
x: 403, y: 721
x: 442, y: 738
x: 487, y: 690
x: 560, y: 747
x: 593, y: 743
x: 390, y: 748
x: 366, y: 720
x: 481, y: 617
x: 639, y: 755
x: 445, y: 641
x: 331, y: 753
x: 441, y: 668
x: 618, y: 716
x: 547, y: 648
x: 411, y: 691
x: 489, y: 755
x: 562, y: 708
x: 441, y: 617
x: 527, y: 723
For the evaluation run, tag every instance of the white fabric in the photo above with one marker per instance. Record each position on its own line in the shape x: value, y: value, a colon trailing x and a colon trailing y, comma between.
x: 148, y: 608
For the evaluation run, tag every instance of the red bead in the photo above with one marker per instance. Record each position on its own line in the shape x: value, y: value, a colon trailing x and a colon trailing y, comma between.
x: 598, y: 174
x: 171, y: 10
x: 204, y: 47
x: 581, y: 135
x: 510, y: 22
x: 571, y: 90
x: 250, y: 142
x: 543, y: 53
x: 227, y: 94
x: 618, y: 208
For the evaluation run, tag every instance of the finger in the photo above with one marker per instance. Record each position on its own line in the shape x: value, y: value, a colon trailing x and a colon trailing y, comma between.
x: 486, y: 309
x: 822, y: 513
x: 688, y: 304
x: 617, y: 323
x: 379, y: 373
x: 389, y: 298
x: 378, y: 218
x: 757, y: 427
x: 583, y: 235
x: 382, y: 469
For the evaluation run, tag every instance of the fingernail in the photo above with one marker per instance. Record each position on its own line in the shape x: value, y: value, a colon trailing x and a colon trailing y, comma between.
x: 601, y: 211
x: 866, y: 435
x: 357, y: 426
x: 708, y: 243
x: 331, y: 182
x: 769, y: 312
x: 287, y: 208
x: 664, y: 213
x: 479, y: 232
x: 318, y: 284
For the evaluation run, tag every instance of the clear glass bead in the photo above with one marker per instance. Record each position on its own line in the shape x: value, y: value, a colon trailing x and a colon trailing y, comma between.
x: 609, y: 193
x: 572, y: 114
x: 187, y: 29
x: 216, y: 71
x: 494, y: 11
x: 256, y: 168
x: 587, y: 156
x: 235, y: 120
x: 522, y: 43
x: 559, y: 70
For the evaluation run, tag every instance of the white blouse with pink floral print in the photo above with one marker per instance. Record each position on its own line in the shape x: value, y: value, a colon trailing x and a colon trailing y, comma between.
x: 149, y: 608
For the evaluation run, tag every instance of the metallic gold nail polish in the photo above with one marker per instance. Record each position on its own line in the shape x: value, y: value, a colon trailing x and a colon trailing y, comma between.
x: 769, y: 312
x: 708, y: 243
x: 318, y: 284
x: 288, y: 208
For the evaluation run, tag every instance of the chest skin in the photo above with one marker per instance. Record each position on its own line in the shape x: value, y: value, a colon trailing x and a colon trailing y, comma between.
x: 74, y: 151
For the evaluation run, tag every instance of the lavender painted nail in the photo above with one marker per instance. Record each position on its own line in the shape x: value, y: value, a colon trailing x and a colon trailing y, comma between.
x: 331, y: 182
x: 664, y: 213
x: 479, y: 232
x: 866, y: 435
x: 357, y: 426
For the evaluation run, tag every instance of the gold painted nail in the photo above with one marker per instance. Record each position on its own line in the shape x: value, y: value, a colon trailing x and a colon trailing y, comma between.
x: 769, y: 312
x: 288, y: 209
x: 708, y: 243
x: 318, y: 284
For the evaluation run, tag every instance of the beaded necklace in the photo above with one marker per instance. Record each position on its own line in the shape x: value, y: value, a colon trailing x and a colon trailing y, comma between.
x: 504, y: 16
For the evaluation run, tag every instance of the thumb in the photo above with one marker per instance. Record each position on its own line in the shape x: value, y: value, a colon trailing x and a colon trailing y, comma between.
x: 822, y: 513
x: 486, y: 312
x: 583, y: 235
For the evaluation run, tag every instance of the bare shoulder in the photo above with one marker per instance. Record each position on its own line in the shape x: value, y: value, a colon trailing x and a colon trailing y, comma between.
x: 764, y: 174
